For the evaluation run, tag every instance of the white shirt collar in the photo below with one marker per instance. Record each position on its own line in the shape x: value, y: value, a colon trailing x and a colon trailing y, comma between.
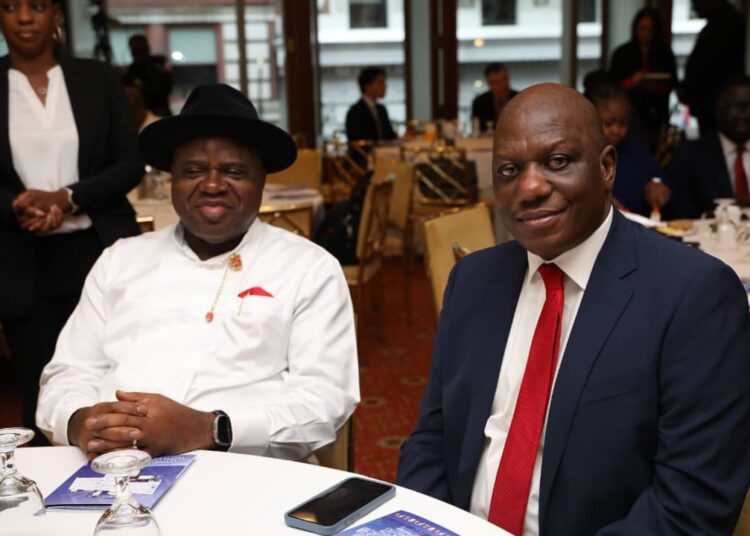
x: 368, y: 101
x: 578, y: 262
x: 249, y: 239
x: 729, y: 147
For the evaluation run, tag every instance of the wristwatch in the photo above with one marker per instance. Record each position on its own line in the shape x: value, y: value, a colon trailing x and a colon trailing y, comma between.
x: 222, y: 430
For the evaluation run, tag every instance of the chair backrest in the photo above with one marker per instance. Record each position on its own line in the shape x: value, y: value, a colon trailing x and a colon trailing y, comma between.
x: 344, y: 165
x: 340, y: 453
x: 464, y: 230
x: 145, y: 223
x: 297, y: 219
x: 374, y: 220
x: 403, y: 188
x: 443, y: 175
x: 743, y: 523
x: 307, y: 170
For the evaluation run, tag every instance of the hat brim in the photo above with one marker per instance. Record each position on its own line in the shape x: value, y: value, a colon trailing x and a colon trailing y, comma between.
x: 158, y: 141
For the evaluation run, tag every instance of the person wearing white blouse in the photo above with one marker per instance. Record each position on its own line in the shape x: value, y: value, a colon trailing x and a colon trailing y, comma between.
x: 68, y: 156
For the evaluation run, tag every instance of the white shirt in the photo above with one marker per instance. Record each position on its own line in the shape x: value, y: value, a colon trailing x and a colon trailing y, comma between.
x: 576, y: 264
x: 284, y: 368
x: 730, y: 156
x: 44, y: 138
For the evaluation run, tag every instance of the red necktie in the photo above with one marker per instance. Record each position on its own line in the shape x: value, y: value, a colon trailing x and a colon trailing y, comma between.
x: 740, y: 177
x: 510, y: 495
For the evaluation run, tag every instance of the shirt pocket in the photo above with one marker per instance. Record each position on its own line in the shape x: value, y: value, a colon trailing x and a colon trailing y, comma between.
x: 256, y: 321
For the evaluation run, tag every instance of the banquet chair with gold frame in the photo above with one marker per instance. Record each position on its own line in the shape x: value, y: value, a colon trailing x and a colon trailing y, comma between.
x: 145, y: 223
x: 307, y: 170
x: 370, y: 240
x: 297, y: 219
x: 340, y: 453
x: 442, y: 175
x: 449, y: 237
x: 344, y: 165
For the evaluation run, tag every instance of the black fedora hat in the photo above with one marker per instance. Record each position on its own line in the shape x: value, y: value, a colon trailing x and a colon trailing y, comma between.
x: 216, y: 111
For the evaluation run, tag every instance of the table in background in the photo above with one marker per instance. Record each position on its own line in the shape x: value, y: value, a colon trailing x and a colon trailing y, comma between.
x: 737, y: 256
x: 275, y: 197
x: 223, y: 493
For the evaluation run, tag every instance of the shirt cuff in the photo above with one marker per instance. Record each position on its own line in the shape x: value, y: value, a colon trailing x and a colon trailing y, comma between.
x: 63, y: 413
x: 250, y: 432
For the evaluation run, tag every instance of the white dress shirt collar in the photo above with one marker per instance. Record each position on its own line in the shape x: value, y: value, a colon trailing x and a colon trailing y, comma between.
x: 247, y: 241
x: 729, y: 147
x: 578, y: 262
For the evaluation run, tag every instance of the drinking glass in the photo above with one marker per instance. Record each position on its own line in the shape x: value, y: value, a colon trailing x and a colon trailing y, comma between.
x: 19, y: 496
x: 126, y: 515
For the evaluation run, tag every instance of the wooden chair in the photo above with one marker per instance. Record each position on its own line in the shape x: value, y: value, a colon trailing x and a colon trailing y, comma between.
x: 743, y: 523
x: 344, y: 165
x: 340, y: 453
x: 307, y: 170
x: 442, y: 174
x: 451, y: 236
x: 297, y: 219
x: 372, y: 226
x: 145, y: 223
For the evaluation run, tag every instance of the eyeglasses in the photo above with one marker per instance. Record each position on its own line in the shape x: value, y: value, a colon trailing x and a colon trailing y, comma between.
x: 199, y: 172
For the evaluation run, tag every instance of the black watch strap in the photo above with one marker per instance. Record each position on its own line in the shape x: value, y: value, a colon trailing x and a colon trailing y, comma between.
x: 222, y: 430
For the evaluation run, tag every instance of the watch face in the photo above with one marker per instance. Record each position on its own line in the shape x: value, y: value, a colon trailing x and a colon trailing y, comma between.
x: 223, y: 430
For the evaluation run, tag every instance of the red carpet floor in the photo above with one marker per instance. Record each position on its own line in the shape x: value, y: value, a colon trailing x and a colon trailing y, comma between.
x: 395, y: 374
x: 392, y: 381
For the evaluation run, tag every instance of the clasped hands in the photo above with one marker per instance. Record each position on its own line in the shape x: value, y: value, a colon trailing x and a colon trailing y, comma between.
x: 160, y: 425
x: 40, y: 211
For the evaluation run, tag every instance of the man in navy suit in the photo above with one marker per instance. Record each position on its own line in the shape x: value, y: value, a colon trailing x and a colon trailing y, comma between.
x: 716, y: 165
x: 366, y: 119
x: 486, y: 107
x: 590, y: 377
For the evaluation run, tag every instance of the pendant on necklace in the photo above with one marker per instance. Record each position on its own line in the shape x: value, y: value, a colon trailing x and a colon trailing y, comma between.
x: 209, y: 317
x: 42, y: 91
x: 235, y: 262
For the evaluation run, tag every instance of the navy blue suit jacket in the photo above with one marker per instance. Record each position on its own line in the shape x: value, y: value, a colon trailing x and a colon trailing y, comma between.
x: 648, y: 422
x: 699, y: 174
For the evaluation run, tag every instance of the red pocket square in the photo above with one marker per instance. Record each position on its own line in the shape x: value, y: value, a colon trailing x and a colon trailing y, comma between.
x: 255, y: 291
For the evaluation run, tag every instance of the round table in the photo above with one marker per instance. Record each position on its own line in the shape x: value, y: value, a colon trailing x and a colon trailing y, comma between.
x: 222, y: 493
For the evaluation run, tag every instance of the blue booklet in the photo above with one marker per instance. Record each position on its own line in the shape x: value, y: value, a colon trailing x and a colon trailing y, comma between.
x: 399, y: 523
x: 87, y: 489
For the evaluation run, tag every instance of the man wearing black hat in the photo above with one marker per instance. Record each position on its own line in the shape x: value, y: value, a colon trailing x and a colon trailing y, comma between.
x: 220, y: 332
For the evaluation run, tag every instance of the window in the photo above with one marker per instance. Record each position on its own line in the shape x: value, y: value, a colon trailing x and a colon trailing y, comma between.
x: 192, y: 53
x: 367, y: 14
x: 498, y: 12
x: 587, y: 11
x: 118, y: 38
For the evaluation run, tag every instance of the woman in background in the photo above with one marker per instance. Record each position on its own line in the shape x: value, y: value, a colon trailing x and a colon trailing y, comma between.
x: 67, y: 158
x: 639, y: 181
x: 645, y: 67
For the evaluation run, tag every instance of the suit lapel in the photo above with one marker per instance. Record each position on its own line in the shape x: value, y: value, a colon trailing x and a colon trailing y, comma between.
x: 606, y: 296
x: 6, y: 158
x: 490, y: 331
x: 80, y: 102
x: 723, y: 183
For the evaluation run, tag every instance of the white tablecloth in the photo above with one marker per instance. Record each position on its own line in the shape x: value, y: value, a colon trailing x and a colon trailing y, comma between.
x: 737, y: 256
x: 275, y: 196
x: 222, y: 494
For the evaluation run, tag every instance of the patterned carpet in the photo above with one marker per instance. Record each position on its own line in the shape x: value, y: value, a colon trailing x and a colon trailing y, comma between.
x: 395, y: 374
x: 392, y: 379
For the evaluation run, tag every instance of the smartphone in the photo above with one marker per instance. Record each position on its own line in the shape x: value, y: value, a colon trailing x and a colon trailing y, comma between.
x: 339, y: 506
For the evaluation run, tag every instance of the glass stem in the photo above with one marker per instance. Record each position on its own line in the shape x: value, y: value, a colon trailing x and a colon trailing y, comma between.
x: 123, y: 490
x: 7, y: 463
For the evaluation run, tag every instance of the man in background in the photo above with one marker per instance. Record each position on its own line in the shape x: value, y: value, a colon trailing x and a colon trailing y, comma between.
x: 717, y: 164
x: 148, y: 72
x: 367, y: 119
x: 718, y: 54
x: 487, y: 106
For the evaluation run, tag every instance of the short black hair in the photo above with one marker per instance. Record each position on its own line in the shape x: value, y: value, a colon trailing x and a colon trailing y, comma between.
x: 494, y: 67
x: 608, y: 91
x: 740, y: 80
x: 368, y: 75
x: 601, y: 84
